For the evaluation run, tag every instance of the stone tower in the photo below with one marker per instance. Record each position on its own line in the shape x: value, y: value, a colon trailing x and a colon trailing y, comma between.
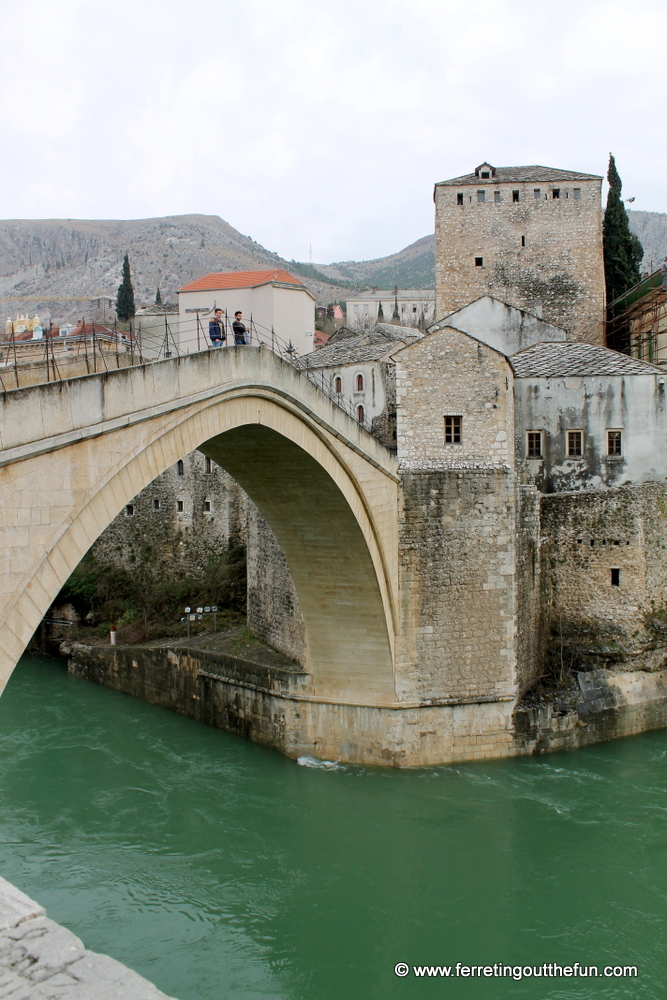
x: 529, y: 236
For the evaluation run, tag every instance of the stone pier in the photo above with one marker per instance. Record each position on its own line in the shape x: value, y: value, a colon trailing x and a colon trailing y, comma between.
x: 39, y: 960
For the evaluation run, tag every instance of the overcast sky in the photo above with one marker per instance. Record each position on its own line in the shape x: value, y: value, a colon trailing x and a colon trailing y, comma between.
x: 309, y: 122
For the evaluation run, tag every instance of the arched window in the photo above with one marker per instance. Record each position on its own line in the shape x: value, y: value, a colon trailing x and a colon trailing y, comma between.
x: 338, y: 384
x: 360, y: 383
x: 179, y: 467
x: 360, y: 414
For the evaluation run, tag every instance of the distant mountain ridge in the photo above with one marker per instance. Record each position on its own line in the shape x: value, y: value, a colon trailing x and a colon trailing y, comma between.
x: 414, y: 267
x: 60, y: 264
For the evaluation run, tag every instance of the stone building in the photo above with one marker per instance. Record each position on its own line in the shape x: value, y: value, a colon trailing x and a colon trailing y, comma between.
x: 359, y: 372
x: 530, y: 236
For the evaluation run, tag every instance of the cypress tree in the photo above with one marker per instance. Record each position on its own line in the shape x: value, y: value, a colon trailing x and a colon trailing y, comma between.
x: 623, y: 251
x: 158, y: 298
x: 380, y: 313
x: 125, y: 294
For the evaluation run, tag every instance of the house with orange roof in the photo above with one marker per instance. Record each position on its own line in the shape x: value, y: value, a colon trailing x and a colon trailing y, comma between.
x: 277, y: 308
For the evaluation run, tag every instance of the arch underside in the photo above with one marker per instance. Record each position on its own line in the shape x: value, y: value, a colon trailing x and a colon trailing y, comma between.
x: 313, y: 502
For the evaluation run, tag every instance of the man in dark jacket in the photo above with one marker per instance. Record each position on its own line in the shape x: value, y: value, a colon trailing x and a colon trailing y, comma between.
x: 239, y: 329
x: 216, y: 329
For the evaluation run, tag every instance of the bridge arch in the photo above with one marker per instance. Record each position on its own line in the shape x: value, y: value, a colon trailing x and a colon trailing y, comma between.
x: 326, y: 504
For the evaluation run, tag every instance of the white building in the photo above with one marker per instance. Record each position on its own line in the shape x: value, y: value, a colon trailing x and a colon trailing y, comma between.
x: 269, y: 300
x: 415, y: 307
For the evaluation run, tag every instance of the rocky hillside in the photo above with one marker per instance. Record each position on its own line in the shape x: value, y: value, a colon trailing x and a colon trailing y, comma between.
x: 651, y: 228
x: 61, y: 264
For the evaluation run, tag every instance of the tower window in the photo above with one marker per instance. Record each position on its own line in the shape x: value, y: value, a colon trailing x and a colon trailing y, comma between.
x: 180, y: 506
x: 208, y: 465
x: 555, y: 193
x: 481, y: 196
x: 496, y: 195
x: 129, y: 510
x: 515, y: 195
x: 575, y: 444
x: 576, y: 193
x: 179, y: 467
x: 523, y: 241
x: 207, y: 506
x: 616, y: 578
x: 534, y: 444
x: 156, y: 504
x: 459, y: 198
x: 614, y: 442
x: 453, y: 430
x: 479, y: 262
x: 537, y: 193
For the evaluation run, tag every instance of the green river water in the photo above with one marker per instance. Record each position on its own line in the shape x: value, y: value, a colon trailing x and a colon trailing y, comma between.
x: 220, y: 870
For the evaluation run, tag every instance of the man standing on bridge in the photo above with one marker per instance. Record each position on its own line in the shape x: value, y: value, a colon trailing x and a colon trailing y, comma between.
x: 216, y: 329
x: 239, y: 329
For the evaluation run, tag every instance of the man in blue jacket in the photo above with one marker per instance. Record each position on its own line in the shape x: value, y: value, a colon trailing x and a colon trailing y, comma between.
x: 216, y: 329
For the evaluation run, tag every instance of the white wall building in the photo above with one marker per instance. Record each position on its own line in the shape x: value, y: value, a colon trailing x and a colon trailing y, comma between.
x: 415, y: 305
x: 271, y: 299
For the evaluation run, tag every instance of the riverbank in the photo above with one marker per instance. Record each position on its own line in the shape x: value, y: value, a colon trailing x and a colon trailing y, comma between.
x: 234, y: 681
x: 39, y: 959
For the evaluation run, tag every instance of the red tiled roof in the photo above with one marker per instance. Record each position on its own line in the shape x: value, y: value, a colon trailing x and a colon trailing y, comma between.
x: 239, y: 279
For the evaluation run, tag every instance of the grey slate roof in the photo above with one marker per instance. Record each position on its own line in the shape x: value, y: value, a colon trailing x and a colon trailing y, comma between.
x: 534, y: 175
x: 365, y: 347
x: 571, y: 359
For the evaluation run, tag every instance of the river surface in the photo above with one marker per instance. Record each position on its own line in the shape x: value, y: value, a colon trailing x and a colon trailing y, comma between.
x: 220, y: 870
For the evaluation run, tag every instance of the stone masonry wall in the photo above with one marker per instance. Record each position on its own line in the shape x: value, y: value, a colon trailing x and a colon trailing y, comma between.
x: 590, y: 535
x: 457, y: 551
x: 457, y: 521
x: 449, y: 373
x: 179, y: 541
x: 532, y: 590
x: 558, y: 271
x: 274, y: 612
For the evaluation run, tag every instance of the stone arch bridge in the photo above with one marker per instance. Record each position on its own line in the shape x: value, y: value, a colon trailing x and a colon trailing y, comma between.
x: 73, y: 453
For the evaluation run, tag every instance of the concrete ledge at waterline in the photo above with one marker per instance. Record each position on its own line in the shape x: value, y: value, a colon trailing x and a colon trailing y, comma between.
x: 40, y: 959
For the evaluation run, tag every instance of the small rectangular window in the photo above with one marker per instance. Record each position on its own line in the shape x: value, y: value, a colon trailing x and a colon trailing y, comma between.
x: 479, y: 262
x: 208, y: 465
x: 156, y: 504
x: 207, y: 505
x: 576, y: 193
x: 523, y: 241
x: 534, y: 444
x: 614, y: 442
x: 129, y: 510
x: 453, y: 430
x: 481, y: 196
x: 616, y: 578
x: 515, y: 195
x: 459, y: 198
x: 575, y: 444
x: 496, y: 195
x: 485, y: 173
x: 537, y: 193
x: 180, y: 506
x: 555, y: 193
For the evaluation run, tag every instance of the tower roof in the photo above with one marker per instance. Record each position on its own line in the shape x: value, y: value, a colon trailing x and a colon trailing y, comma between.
x: 530, y: 175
